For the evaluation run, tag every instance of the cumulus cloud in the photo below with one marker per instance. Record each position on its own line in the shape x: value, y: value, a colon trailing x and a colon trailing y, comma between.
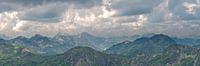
x: 185, y: 9
x: 45, y: 10
x: 99, y: 17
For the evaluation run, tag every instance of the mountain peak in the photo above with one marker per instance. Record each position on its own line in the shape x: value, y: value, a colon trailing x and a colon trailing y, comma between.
x: 85, y: 33
x: 163, y: 39
x: 148, y: 34
x: 38, y: 36
x: 85, y: 56
x: 20, y: 37
x: 141, y: 40
x: 62, y: 34
x: 160, y: 36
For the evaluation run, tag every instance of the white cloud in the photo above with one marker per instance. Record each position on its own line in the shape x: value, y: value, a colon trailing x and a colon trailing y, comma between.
x: 107, y: 18
x: 191, y: 7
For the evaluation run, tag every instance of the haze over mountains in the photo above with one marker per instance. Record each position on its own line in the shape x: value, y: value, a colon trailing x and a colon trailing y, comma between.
x: 63, y: 42
x: 157, y: 50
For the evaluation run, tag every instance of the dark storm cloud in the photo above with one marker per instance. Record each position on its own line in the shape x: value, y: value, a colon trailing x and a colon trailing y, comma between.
x: 86, y: 3
x: 5, y: 7
x: 10, y: 5
x: 47, y: 13
x: 134, y: 7
x: 45, y: 10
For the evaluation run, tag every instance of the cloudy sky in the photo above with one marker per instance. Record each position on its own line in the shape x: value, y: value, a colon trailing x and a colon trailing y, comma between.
x: 99, y: 17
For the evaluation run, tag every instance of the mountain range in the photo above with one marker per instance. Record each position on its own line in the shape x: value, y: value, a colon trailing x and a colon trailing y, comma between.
x: 61, y: 42
x: 142, y: 46
x: 156, y: 50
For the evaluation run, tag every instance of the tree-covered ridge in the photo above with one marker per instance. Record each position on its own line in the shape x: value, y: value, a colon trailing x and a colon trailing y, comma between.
x: 158, y: 50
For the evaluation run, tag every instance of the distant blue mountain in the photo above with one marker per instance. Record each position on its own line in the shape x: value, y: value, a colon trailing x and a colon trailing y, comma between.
x: 2, y: 36
x: 187, y: 41
x: 61, y: 42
